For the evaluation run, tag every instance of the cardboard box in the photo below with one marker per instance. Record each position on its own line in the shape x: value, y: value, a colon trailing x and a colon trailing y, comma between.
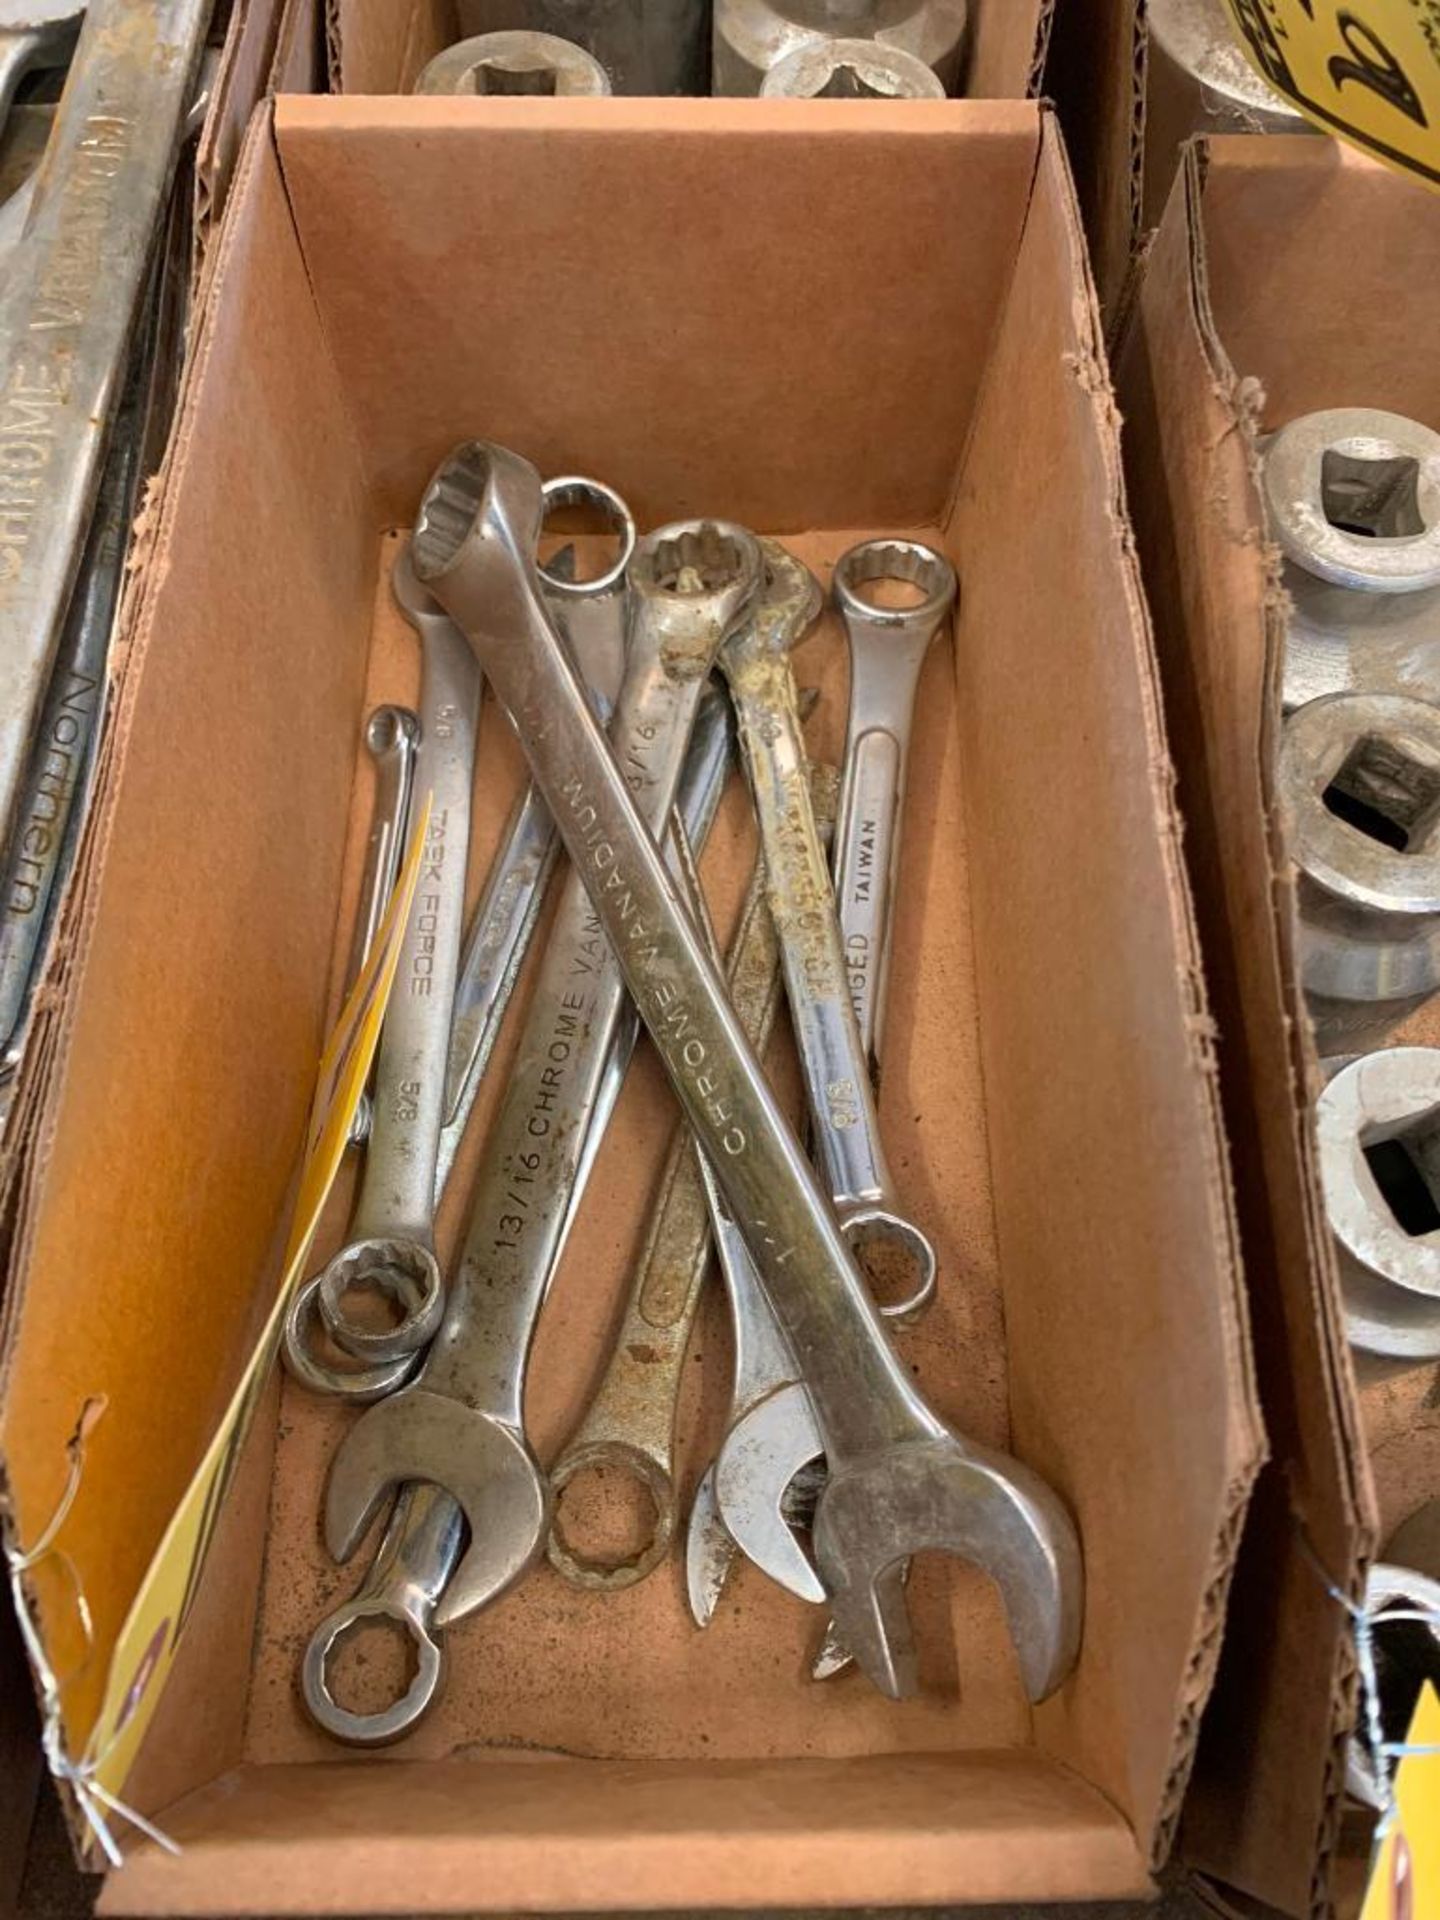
x: 818, y: 319
x: 377, y: 46
x: 1289, y: 274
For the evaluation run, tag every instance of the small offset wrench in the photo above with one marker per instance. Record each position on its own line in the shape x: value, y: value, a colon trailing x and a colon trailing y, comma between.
x: 901, y: 1480
x: 756, y: 662
x: 887, y: 650
x: 392, y: 1234
x: 689, y: 583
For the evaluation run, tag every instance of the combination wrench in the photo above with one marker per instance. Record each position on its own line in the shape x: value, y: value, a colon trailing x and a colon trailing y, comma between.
x: 888, y: 646
x: 901, y: 1480
x: 68, y: 304
x: 423, y: 1537
x: 391, y: 1245
x: 629, y: 1424
x: 689, y: 583
x: 771, y: 1454
x: 591, y: 615
x: 391, y: 1248
x: 756, y: 662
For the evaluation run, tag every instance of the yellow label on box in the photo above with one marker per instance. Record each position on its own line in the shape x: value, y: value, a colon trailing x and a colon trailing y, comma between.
x: 1366, y: 69
x: 1405, y: 1874
x: 145, y: 1650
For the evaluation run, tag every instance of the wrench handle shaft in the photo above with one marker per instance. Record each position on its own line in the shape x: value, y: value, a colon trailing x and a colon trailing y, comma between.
x: 867, y: 849
x: 802, y: 901
x: 397, y: 1192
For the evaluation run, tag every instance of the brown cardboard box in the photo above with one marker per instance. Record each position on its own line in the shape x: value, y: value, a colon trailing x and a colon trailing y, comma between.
x: 378, y: 46
x: 1288, y: 274
x: 1095, y: 74
x: 817, y: 320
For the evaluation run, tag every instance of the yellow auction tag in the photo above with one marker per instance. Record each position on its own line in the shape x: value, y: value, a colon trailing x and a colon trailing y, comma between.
x: 1405, y: 1874
x: 1366, y: 69
x: 145, y: 1649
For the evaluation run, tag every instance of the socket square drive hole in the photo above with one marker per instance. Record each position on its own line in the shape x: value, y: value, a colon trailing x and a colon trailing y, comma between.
x: 1379, y: 499
x: 505, y: 77
x: 1405, y: 1164
x: 1386, y: 794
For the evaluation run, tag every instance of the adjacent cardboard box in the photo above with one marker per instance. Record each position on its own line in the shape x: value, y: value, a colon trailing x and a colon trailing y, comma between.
x: 821, y: 319
x: 1288, y: 274
x: 379, y: 46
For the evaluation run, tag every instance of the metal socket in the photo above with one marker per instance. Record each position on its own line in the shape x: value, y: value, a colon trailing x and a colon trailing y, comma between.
x: 1359, y: 782
x: 751, y: 37
x: 850, y: 70
x: 541, y: 64
x: 1353, y: 499
x: 645, y: 46
x: 1378, y: 1126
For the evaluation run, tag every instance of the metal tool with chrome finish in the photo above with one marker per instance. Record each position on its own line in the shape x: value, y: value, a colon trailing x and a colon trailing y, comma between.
x: 629, y: 1425
x: 826, y: 69
x: 1352, y: 496
x: 423, y: 1537
x: 689, y: 582
x: 1378, y: 1125
x: 752, y: 37
x: 68, y: 305
x: 901, y: 1480
x: 592, y: 615
x: 646, y: 47
x: 1359, y: 786
x: 514, y: 62
x: 391, y: 1248
x: 1198, y: 80
x: 888, y: 646
x: 756, y: 662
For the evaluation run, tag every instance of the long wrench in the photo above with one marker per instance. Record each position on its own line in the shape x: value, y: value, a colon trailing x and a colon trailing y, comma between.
x: 391, y: 1248
x: 689, y: 583
x: 887, y: 650
x: 901, y: 1480
x: 67, y: 310
x: 755, y: 661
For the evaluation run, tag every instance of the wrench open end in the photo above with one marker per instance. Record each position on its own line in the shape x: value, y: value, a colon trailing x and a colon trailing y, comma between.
x: 948, y: 1495
x: 763, y: 1453
x: 484, y: 1465
x: 709, y: 1552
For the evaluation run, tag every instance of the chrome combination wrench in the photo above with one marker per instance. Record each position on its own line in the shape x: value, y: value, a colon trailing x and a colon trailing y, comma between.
x: 504, y: 922
x: 888, y: 646
x: 391, y: 1248
x: 689, y: 583
x: 756, y: 663
x: 901, y: 1480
